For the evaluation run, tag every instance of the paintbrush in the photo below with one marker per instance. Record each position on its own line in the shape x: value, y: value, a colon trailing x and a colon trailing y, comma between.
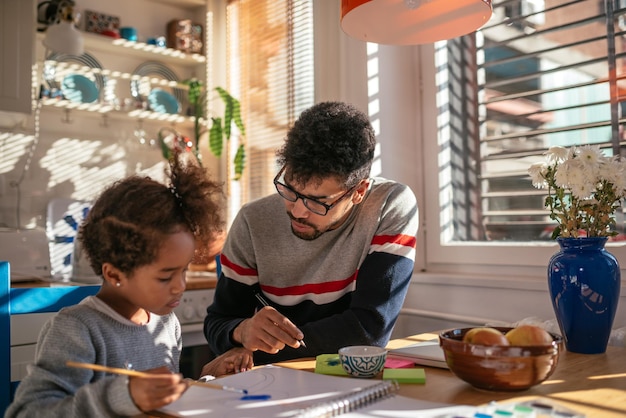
x: 135, y: 373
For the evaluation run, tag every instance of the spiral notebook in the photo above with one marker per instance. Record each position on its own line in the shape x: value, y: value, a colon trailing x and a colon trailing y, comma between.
x: 297, y: 393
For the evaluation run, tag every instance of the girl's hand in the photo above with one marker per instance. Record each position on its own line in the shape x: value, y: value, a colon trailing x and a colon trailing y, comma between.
x: 235, y: 360
x: 154, y: 392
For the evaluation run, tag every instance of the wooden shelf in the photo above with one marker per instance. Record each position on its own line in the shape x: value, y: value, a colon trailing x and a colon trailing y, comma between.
x: 103, y: 109
x: 183, y: 3
x: 115, y: 79
x: 63, y: 69
x: 95, y: 42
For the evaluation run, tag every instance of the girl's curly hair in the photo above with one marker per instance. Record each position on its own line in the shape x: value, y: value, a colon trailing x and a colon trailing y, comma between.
x: 128, y: 221
x: 330, y: 139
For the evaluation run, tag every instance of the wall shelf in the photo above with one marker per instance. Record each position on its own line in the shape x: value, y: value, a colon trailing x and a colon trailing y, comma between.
x: 63, y: 69
x: 95, y: 42
x: 108, y: 110
x: 141, y: 49
x: 183, y: 3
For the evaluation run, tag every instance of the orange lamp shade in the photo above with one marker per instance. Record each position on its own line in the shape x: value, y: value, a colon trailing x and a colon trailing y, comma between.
x: 412, y: 22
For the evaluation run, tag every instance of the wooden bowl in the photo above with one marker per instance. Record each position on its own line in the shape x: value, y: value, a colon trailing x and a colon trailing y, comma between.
x: 499, y: 368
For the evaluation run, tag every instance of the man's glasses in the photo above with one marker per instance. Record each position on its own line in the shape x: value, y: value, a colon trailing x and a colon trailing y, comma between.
x: 315, y: 206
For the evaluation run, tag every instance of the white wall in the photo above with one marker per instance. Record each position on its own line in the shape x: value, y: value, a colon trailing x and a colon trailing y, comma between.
x: 437, y: 302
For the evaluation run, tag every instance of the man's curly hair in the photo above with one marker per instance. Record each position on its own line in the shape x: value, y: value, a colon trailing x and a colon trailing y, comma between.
x: 330, y: 139
x: 130, y: 218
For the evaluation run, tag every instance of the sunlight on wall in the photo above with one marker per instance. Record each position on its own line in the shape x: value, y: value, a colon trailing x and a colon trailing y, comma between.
x: 87, y: 165
x: 12, y: 148
x: 66, y: 166
x: 373, y: 106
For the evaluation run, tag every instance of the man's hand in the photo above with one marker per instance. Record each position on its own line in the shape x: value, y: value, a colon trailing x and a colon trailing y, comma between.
x: 154, y: 392
x: 269, y: 331
x: 235, y: 360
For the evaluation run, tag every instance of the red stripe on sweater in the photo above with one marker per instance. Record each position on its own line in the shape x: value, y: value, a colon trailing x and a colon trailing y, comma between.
x: 242, y: 271
x: 315, y: 288
x: 406, y: 240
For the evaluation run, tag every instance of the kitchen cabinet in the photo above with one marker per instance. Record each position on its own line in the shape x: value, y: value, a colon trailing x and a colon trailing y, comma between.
x: 17, y: 33
x: 119, y: 84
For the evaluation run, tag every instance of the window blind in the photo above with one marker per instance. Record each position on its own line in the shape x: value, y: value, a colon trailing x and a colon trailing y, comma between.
x: 538, y: 74
x: 270, y: 53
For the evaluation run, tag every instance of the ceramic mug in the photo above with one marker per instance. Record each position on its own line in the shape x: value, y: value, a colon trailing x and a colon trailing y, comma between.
x: 129, y: 33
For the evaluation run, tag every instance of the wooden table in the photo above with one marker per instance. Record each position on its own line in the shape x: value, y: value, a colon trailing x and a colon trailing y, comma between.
x: 594, y: 384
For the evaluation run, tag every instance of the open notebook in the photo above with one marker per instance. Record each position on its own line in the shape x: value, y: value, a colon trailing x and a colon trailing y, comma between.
x: 425, y: 353
x: 294, y: 393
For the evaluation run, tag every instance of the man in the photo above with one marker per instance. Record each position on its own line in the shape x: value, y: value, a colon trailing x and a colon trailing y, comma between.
x: 335, y: 269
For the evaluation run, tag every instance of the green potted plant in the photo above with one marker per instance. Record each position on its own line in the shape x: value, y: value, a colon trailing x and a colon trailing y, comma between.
x: 219, y: 130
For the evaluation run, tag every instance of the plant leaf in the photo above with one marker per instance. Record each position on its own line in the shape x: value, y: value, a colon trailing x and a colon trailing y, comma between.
x: 240, y: 159
x: 237, y: 117
x: 232, y: 112
x: 215, y: 137
x: 228, y: 110
x: 195, y: 90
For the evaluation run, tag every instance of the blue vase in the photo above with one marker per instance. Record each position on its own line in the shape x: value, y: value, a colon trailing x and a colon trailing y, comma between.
x: 584, y: 282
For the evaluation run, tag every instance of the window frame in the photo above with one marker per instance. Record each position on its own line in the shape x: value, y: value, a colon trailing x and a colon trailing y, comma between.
x: 518, y: 259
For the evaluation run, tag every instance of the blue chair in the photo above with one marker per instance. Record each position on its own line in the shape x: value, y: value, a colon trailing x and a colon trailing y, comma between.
x: 27, y: 300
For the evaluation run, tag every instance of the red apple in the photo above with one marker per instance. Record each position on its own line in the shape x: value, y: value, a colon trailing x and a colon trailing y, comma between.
x: 485, y: 336
x: 528, y: 335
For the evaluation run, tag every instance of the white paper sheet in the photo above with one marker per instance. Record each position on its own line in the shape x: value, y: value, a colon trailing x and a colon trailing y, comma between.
x: 291, y: 392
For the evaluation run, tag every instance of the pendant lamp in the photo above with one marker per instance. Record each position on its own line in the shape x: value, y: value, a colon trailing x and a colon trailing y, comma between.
x: 412, y: 22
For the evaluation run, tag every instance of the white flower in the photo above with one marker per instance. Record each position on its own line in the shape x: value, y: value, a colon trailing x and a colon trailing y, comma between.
x: 575, y: 175
x: 614, y: 171
x: 556, y: 154
x: 537, y: 173
x: 585, y: 188
x: 591, y: 155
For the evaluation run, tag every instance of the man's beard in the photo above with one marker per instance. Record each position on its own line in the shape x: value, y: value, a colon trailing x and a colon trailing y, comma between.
x: 309, y: 236
x: 316, y: 233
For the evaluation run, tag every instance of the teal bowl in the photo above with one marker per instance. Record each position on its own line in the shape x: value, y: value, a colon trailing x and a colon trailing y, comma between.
x: 363, y: 360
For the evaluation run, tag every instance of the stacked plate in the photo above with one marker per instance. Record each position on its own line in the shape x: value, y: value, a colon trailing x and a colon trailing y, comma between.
x: 75, y: 87
x: 78, y: 88
x: 159, y: 99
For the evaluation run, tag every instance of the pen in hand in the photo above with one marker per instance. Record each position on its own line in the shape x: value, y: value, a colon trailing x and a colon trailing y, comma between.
x: 264, y: 303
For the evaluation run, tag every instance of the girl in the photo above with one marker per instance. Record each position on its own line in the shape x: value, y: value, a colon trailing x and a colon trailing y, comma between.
x: 140, y: 235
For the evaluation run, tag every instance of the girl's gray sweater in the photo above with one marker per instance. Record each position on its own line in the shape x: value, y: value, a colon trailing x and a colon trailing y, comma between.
x: 93, y: 333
